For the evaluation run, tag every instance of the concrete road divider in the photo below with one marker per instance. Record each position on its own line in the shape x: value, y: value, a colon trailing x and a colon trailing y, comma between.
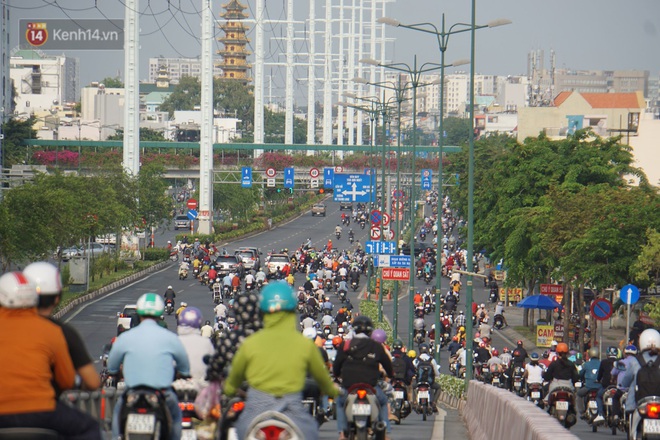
x: 493, y: 413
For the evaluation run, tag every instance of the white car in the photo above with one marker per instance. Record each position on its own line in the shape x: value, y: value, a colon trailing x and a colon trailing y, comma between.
x: 96, y: 250
x: 124, y: 317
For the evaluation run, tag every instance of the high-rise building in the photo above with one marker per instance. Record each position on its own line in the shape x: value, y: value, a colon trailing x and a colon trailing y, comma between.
x: 177, y: 68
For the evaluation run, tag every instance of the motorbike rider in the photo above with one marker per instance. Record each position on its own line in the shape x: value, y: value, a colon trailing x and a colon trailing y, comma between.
x: 260, y: 276
x: 48, y: 282
x: 180, y: 309
x: 169, y: 295
x: 359, y: 361
x: 249, y: 280
x: 35, y: 356
x: 605, y: 377
x: 649, y: 349
x: 207, y: 329
x: 149, y: 355
x: 423, y: 358
x: 561, y: 372
x: 337, y: 231
x: 327, y: 306
x: 276, y: 381
x: 589, y: 378
x: 220, y: 310
x: 196, y: 345
x: 618, y: 372
x: 184, y: 267
x: 533, y: 371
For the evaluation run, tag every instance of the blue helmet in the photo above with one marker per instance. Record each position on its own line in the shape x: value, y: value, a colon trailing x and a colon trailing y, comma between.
x: 190, y: 317
x: 276, y: 297
x: 534, y: 357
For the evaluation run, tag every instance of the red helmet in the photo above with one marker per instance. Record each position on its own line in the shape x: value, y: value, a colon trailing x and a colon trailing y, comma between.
x: 505, y: 350
x: 495, y: 352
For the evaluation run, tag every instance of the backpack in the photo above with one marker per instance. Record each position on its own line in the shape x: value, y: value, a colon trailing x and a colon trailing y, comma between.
x: 648, y: 378
x: 425, y: 372
x: 399, y: 366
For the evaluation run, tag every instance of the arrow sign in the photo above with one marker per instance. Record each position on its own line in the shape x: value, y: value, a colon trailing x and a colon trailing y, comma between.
x: 288, y: 177
x: 328, y: 177
x: 246, y: 177
x: 351, y: 188
x: 629, y: 294
x: 601, y: 309
x: 380, y: 247
x: 375, y: 233
x: 426, y: 178
x: 192, y: 214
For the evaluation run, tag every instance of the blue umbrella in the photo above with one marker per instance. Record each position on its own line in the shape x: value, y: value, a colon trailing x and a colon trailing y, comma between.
x: 543, y: 302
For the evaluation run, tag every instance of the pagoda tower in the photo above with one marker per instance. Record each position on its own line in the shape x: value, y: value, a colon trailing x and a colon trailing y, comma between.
x: 234, y: 55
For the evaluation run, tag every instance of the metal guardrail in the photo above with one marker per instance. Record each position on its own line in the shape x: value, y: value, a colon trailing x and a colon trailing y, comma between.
x: 99, y: 403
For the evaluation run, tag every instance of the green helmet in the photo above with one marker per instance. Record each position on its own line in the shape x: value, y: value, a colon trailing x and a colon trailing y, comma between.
x: 397, y: 344
x: 276, y: 297
x: 150, y: 304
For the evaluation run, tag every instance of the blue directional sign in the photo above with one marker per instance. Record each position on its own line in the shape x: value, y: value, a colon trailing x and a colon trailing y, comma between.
x: 328, y: 177
x: 426, y: 178
x: 380, y: 247
x: 192, y: 214
x: 397, y: 261
x: 246, y: 177
x: 629, y: 294
x: 351, y: 188
x: 288, y: 177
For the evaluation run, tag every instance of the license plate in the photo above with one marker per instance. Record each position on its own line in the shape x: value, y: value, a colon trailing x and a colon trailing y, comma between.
x: 496, y: 380
x: 561, y: 405
x: 140, y: 423
x: 651, y: 426
x: 398, y: 394
x: 360, y: 409
x: 609, y: 401
x: 593, y: 404
x: 423, y: 395
x: 188, y: 434
x: 536, y: 394
x: 516, y: 384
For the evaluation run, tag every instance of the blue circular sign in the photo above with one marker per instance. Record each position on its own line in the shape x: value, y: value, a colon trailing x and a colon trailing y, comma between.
x: 629, y: 294
x: 601, y: 309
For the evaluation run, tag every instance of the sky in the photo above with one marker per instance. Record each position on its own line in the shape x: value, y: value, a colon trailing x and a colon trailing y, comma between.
x: 585, y: 34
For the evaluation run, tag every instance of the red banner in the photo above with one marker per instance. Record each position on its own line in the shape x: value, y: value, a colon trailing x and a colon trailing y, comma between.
x: 398, y: 274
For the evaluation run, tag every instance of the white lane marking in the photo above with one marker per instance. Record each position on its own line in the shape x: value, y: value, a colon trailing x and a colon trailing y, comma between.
x: 88, y: 303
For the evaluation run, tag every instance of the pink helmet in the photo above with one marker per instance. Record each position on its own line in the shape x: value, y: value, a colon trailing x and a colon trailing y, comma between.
x: 379, y: 335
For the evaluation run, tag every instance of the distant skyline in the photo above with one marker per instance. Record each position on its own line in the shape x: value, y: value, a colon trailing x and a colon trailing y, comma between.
x: 585, y: 34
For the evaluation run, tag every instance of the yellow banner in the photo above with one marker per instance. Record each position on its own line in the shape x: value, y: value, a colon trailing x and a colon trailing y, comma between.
x: 544, y: 335
x: 515, y: 293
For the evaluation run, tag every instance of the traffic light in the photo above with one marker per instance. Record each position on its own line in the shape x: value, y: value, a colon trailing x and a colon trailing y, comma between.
x: 320, y: 191
x: 285, y: 190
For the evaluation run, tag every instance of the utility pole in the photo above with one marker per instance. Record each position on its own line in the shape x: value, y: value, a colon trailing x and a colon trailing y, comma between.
x: 131, y: 155
x: 205, y: 225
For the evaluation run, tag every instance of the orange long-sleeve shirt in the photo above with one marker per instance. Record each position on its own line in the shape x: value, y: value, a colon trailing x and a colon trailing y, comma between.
x: 34, y: 352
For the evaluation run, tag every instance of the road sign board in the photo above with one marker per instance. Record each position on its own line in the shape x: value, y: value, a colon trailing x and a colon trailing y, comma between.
x: 314, y: 183
x: 246, y: 177
x: 380, y: 247
x: 191, y: 203
x: 398, y: 193
x: 270, y: 172
x: 375, y: 217
x: 392, y: 261
x: 328, y: 177
x: 351, y: 188
x: 374, y: 233
x: 390, y: 273
x: 339, y: 169
x: 192, y: 214
x: 426, y: 178
x: 314, y: 173
x: 386, y: 219
x: 601, y: 309
x: 288, y: 177
x: 270, y: 183
x: 629, y: 294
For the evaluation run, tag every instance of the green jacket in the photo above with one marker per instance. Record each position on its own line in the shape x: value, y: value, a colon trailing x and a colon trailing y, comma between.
x: 276, y: 360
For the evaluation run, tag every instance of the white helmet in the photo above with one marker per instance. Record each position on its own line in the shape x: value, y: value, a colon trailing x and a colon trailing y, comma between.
x: 169, y: 287
x: 17, y: 292
x: 45, y: 277
x: 309, y: 333
x: 649, y: 339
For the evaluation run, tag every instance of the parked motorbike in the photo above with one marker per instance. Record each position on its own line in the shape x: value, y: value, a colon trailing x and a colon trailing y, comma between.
x: 561, y: 404
x: 362, y: 410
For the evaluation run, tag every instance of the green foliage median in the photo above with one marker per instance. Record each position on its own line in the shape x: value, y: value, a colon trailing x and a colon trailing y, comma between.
x: 370, y: 309
x: 452, y: 385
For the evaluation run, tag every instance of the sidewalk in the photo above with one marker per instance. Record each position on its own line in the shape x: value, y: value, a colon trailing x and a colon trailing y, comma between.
x: 514, y: 315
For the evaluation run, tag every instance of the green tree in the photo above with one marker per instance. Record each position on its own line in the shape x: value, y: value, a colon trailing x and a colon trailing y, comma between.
x: 15, y: 132
x: 153, y: 204
x: 239, y: 202
x: 646, y: 269
x: 146, y: 134
x: 112, y: 83
x: 457, y: 131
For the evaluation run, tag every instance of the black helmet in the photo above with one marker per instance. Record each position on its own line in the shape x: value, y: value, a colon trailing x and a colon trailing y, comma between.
x: 424, y: 348
x: 363, y: 324
x: 397, y: 344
